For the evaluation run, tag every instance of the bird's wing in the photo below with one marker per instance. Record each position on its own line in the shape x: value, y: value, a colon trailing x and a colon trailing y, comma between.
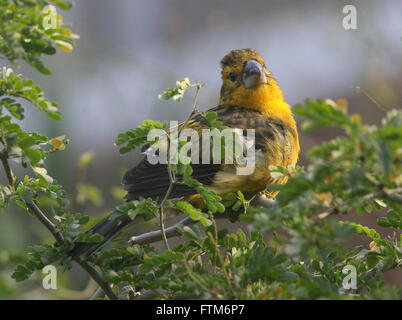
x: 152, y: 180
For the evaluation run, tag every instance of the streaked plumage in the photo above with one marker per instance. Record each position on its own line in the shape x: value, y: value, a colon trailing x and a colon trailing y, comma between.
x: 273, y: 142
x: 250, y: 99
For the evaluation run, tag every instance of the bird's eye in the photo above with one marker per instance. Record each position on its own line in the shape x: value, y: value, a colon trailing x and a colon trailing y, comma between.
x: 232, y: 76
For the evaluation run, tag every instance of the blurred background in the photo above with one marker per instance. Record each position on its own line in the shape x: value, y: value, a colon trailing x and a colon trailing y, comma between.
x: 130, y: 51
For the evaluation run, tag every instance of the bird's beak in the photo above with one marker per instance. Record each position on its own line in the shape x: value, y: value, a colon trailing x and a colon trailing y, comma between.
x: 253, y: 74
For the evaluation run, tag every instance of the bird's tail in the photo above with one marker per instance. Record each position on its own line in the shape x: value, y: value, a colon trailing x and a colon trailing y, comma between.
x: 108, y: 228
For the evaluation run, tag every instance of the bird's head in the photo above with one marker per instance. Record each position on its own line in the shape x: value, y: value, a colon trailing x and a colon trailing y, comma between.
x: 246, y: 81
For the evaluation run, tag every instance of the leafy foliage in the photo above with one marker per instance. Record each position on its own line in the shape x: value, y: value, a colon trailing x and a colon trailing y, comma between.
x: 306, y: 258
x: 358, y: 172
x: 24, y: 34
x: 177, y: 93
x: 134, y: 138
x: 13, y: 87
x: 188, y: 209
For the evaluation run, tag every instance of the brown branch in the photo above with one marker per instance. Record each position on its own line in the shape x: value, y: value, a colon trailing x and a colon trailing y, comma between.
x: 172, y: 231
x: 393, y: 194
x: 32, y: 207
x: 97, y: 294
x: 149, y: 294
x: 155, y: 236
x: 161, y: 212
x: 261, y: 201
x: 59, y: 239
x: 38, y: 213
x: 7, y: 169
x: 172, y: 178
x: 97, y: 277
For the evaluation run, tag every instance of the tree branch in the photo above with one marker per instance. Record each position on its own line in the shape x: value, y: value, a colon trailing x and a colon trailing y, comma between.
x: 97, y: 294
x: 7, y: 169
x: 262, y: 201
x: 97, y: 277
x: 59, y: 239
x: 149, y: 294
x: 161, y: 211
x: 155, y: 236
x: 172, y: 178
x: 38, y: 213
x: 32, y: 207
x: 172, y: 231
x: 394, y: 194
x: 391, y: 194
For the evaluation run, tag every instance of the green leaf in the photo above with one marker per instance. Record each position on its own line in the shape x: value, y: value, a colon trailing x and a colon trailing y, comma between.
x: 320, y: 114
x: 212, y: 119
x: 146, y: 207
x: 24, y: 35
x: 177, y: 93
x: 360, y: 229
x: 211, y: 199
x: 34, y: 155
x: 14, y: 86
x: 89, y: 237
x: 193, y: 213
x: 133, y: 138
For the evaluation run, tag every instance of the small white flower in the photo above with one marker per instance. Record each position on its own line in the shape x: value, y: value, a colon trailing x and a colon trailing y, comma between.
x: 7, y: 72
x: 183, y: 84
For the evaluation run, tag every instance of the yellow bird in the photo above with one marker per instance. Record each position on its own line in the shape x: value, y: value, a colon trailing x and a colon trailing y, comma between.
x: 250, y: 98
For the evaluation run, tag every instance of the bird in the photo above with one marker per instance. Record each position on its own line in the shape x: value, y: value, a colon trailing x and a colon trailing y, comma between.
x: 250, y: 98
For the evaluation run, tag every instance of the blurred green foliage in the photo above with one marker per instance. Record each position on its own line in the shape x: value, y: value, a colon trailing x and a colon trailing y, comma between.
x: 30, y: 29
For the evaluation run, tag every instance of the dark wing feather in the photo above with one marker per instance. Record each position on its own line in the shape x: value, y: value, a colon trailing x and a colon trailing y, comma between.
x: 152, y: 180
x: 148, y: 180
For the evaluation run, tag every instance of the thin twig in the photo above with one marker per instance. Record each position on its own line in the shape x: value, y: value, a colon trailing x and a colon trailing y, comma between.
x: 34, y: 209
x: 259, y: 201
x: 172, y: 231
x: 97, y: 277
x: 7, y: 169
x: 172, y: 178
x: 38, y: 213
x: 198, y: 87
x: 262, y: 201
x: 154, y: 236
x: 394, y: 194
x: 97, y: 294
x: 161, y: 213
x: 379, y: 106
x: 149, y: 294
x: 59, y: 239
